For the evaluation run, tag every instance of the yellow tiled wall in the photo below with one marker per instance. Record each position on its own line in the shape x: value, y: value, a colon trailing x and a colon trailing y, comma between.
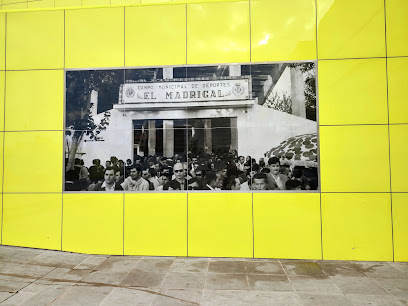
x: 362, y: 54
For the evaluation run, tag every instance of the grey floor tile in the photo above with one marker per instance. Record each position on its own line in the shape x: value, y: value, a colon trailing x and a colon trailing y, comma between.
x: 358, y: 285
x: 341, y: 269
x: 179, y: 297
x: 157, y: 265
x: 115, y: 264
x: 18, y: 298
x: 381, y: 270
x: 34, y: 288
x: 104, y: 277
x: 91, y: 262
x: 375, y: 300
x: 217, y: 281
x: 11, y: 286
x: 224, y: 266
x: 309, y: 299
x: 138, y: 278
x: 314, y: 284
x: 274, y: 298
x: 58, y: 259
x: 257, y: 267
x: 17, y: 254
x: 227, y: 259
x: 302, y: 268
x: 269, y: 283
x: 22, y: 278
x: 26, y: 270
x: 190, y: 265
x: 397, y: 287
x: 402, y: 266
x: 5, y: 295
x: 262, y: 259
x: 226, y: 297
x: 83, y: 295
x: 184, y: 281
x: 124, y: 296
x: 47, y: 295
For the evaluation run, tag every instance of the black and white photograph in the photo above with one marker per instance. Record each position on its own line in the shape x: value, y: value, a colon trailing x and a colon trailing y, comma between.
x: 232, y: 127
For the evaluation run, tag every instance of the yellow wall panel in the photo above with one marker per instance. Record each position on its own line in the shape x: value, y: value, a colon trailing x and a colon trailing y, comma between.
x: 41, y: 4
x: 33, y: 161
x: 35, y: 40
x: 357, y: 226
x: 68, y: 3
x: 400, y: 226
x: 93, y: 223
x: 156, y: 224
x: 218, y: 32
x: 32, y: 220
x: 124, y: 2
x: 2, y: 84
x: 397, y: 27
x: 399, y: 153
x: 354, y: 158
x: 347, y: 94
x: 95, y: 2
x: 220, y: 225
x: 2, y: 41
x: 350, y: 29
x: 397, y: 89
x: 40, y: 105
x: 287, y: 226
x: 283, y: 30
x: 91, y: 41
x: 155, y: 41
x: 14, y: 6
x: 1, y: 159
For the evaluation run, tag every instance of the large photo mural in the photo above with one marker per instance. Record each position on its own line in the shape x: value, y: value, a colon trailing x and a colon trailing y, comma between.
x: 225, y: 127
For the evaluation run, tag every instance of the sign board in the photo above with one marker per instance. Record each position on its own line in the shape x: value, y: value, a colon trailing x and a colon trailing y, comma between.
x: 191, y: 91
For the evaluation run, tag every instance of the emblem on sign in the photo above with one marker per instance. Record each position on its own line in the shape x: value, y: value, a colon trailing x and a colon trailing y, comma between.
x: 130, y: 93
x: 238, y: 89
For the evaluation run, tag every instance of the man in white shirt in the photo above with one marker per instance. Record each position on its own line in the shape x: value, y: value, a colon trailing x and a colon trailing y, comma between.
x: 135, y: 182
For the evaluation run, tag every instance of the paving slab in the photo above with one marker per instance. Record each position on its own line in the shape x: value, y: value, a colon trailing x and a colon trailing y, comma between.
x: 397, y: 287
x: 157, y: 265
x: 47, y: 295
x: 83, y: 295
x: 304, y: 268
x: 314, y: 284
x: 226, y: 281
x: 261, y: 267
x: 310, y: 299
x: 194, y: 265
x: 179, y: 297
x: 225, y: 266
x: 341, y: 269
x: 125, y: 296
x: 58, y: 259
x: 358, y: 285
x: 18, y: 298
x: 274, y: 298
x: 381, y: 270
x: 259, y: 282
x: 375, y: 300
x: 184, y: 281
x: 138, y: 278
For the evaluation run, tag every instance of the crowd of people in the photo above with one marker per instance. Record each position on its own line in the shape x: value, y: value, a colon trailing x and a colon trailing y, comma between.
x: 212, y: 172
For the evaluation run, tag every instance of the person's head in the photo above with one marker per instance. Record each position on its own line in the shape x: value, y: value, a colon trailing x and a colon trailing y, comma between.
x: 178, y: 170
x: 113, y: 160
x: 77, y: 161
x: 96, y: 162
x: 128, y: 162
x: 241, y: 159
x: 118, y: 174
x: 109, y: 175
x: 259, y: 182
x: 218, y: 182
x: 108, y: 164
x: 274, y: 165
x: 211, y: 178
x: 146, y: 174
x: 135, y: 173
x: 166, y: 178
x: 293, y: 185
x: 200, y: 173
x: 185, y: 167
x: 223, y: 172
